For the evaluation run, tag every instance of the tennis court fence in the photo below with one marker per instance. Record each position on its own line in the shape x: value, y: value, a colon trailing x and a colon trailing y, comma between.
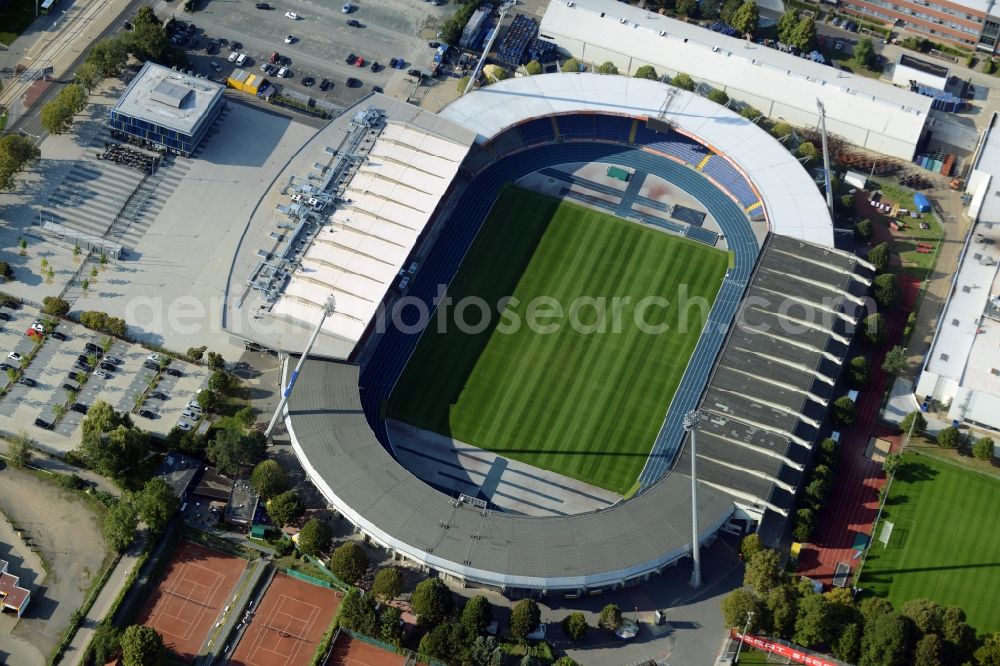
x: 411, y: 656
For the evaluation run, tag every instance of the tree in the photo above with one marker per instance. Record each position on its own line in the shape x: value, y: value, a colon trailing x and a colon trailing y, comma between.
x: 863, y: 230
x: 750, y: 546
x: 858, y: 368
x: 805, y: 524
x: 886, y: 641
x: 804, y: 35
x: 914, y: 420
x: 611, y: 617
x: 989, y: 652
x: 982, y: 448
x: 885, y: 291
x: 120, y: 523
x: 844, y: 411
x: 533, y: 68
x: 388, y: 584
x: 285, y: 508
x: 316, y: 537
x: 949, y: 438
x: 246, y: 416
x: 787, y: 24
x: 231, y: 450
x: 432, y: 601
x: 105, y: 645
x: 746, y: 18
x: 148, y: 41
x: 358, y: 613
x: 110, y: 442
x: 683, y: 81
x: 729, y: 9
x: 565, y: 660
x: 782, y: 130
x: 575, y: 626
x: 391, y: 630
x: 607, y: 68
x: 19, y: 449
x: 268, y: 479
x: 349, y: 562
x: 763, y: 571
x: 647, y: 72
x: 864, y: 51
x: 220, y: 381
x: 847, y: 644
x: 142, y: 646
x: 736, y: 609
x: 782, y: 605
x: 894, y: 362
x: 16, y: 153
x: 873, y: 607
x: 571, y: 65
x: 88, y: 75
x: 873, y: 328
x: 56, y: 116
x: 813, y: 625
x: 477, y: 615
x: 718, y: 96
x: 448, y: 642
x: 215, y: 361
x: 108, y: 56
x: 6, y: 272
x: 959, y: 637
x: 750, y: 113
x: 878, y: 256
x: 207, y: 400
x: 156, y: 504
x: 687, y: 8
x: 891, y: 463
x: 195, y: 354
x: 524, y: 618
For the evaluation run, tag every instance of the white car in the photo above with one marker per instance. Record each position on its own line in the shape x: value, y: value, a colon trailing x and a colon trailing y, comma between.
x: 347, y: 8
x: 181, y: 425
x: 155, y: 358
x: 194, y: 406
x: 103, y: 374
x: 292, y: 15
x: 37, y: 326
x: 14, y: 356
x: 233, y: 56
x: 289, y: 39
x: 188, y: 414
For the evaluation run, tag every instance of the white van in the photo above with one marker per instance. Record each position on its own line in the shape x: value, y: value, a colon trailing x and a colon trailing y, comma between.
x: 241, y: 60
x: 282, y: 73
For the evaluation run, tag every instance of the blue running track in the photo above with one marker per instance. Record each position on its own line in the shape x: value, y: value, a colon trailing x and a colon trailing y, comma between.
x: 384, y: 367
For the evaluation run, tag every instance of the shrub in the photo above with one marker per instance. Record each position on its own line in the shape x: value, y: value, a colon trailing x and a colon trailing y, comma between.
x: 683, y: 81
x: 878, y: 256
x: 915, y: 420
x: 719, y: 97
x: 54, y: 306
x: 949, y: 438
x: 885, y: 291
x: 524, y: 618
x: 844, y: 411
x: 873, y: 328
x: 863, y: 230
x: 983, y: 448
x: 534, y: 67
x: 575, y: 626
x: 781, y: 130
x: 805, y: 523
x: 687, y: 8
x: 858, y: 369
x: 571, y: 65
x: 607, y: 68
x: 647, y: 72
x: 847, y: 201
x: 6, y: 272
x: 611, y: 617
x: 807, y: 151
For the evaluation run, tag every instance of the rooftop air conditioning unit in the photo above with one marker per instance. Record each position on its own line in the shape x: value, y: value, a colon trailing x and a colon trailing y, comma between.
x: 570, y: 4
x: 663, y: 33
x: 623, y: 21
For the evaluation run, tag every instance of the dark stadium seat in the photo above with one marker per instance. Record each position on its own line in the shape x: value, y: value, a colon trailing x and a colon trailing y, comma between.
x: 723, y: 173
x: 613, y: 128
x: 536, y: 131
x: 577, y: 126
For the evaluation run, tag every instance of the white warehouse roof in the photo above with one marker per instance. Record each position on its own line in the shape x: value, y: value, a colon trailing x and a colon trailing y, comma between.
x: 388, y: 203
x: 792, y: 202
x: 865, y: 112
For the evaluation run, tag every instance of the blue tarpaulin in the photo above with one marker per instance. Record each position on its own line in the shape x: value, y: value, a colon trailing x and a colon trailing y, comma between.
x: 921, y: 203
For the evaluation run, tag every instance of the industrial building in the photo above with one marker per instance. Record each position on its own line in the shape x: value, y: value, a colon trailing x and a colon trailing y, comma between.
x: 163, y: 109
x: 961, y: 373
x: 865, y: 112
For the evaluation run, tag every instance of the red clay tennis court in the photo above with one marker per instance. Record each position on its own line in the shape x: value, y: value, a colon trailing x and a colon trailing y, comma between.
x: 348, y: 651
x: 288, y: 624
x: 189, y: 598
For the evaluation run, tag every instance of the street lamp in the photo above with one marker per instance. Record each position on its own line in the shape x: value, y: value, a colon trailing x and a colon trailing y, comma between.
x: 328, y: 307
x: 745, y: 627
x: 691, y: 422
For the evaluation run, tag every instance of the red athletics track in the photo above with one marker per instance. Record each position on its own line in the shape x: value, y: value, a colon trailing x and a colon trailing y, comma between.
x: 288, y: 624
x: 189, y: 598
x: 350, y: 652
x: 854, y: 502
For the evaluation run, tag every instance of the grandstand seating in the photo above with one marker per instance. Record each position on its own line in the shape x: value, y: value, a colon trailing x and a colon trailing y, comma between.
x: 577, y: 125
x: 613, y: 128
x: 726, y: 175
x: 676, y: 145
x: 536, y: 131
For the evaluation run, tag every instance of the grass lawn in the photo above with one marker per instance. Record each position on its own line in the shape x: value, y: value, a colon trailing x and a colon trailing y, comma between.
x: 905, y: 241
x: 584, y: 404
x: 944, y: 542
x: 15, y: 16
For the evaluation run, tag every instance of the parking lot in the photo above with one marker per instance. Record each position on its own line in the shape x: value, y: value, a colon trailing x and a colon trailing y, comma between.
x: 322, y: 41
x: 117, y: 376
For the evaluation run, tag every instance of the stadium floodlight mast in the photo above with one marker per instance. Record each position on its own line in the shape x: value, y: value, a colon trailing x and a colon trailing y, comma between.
x: 328, y: 307
x: 826, y: 155
x: 691, y: 422
x: 504, y: 8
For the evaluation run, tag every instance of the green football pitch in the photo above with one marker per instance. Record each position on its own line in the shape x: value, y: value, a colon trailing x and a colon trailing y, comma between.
x: 577, y: 401
x: 945, y: 540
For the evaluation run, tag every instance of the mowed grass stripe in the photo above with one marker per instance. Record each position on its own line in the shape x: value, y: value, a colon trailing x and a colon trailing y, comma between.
x: 947, y: 546
x: 585, y: 405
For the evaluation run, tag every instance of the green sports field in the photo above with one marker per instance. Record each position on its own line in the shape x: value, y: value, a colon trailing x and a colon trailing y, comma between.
x: 945, y: 543
x: 575, y: 401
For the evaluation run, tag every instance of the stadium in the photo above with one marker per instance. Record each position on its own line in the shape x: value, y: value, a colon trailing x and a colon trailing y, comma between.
x: 426, y: 200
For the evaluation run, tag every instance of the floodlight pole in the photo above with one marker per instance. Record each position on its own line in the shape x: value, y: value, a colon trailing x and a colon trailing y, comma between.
x: 739, y: 647
x: 328, y: 307
x: 826, y: 155
x: 691, y: 421
x: 504, y: 8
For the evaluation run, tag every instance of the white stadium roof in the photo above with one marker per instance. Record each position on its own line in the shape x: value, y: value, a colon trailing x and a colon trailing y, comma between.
x: 389, y: 201
x: 866, y: 112
x: 792, y: 202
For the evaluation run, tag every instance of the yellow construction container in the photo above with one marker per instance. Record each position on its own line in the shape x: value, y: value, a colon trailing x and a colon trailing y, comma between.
x: 245, y: 81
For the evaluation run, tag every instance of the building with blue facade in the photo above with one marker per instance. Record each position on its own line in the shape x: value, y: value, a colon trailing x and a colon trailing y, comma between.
x: 163, y: 109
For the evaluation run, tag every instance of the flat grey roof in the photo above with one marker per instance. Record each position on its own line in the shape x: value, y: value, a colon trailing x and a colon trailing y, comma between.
x: 167, y: 98
x: 178, y: 470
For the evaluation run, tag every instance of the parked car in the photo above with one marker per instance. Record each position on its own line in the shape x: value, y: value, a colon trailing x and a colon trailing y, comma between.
x: 69, y: 387
x: 375, y: 66
x: 188, y: 414
x: 149, y: 365
x: 347, y: 8
x: 292, y: 15
x: 59, y: 336
x: 325, y: 85
x: 353, y: 83
x: 289, y: 39
x: 147, y: 413
x: 79, y: 407
x: 14, y: 356
x: 284, y: 73
x: 158, y: 395
x: 79, y: 365
x: 360, y: 62
x: 354, y: 23
x: 262, y: 5
x: 233, y: 56
x: 26, y: 381
x: 110, y: 367
x: 351, y: 59
x: 4, y: 316
x: 183, y: 426
x: 91, y: 348
x: 308, y: 81
x: 377, y: 89
x: 433, y: 45
x: 103, y: 374
x: 6, y: 366
x: 174, y: 372
x: 43, y: 424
